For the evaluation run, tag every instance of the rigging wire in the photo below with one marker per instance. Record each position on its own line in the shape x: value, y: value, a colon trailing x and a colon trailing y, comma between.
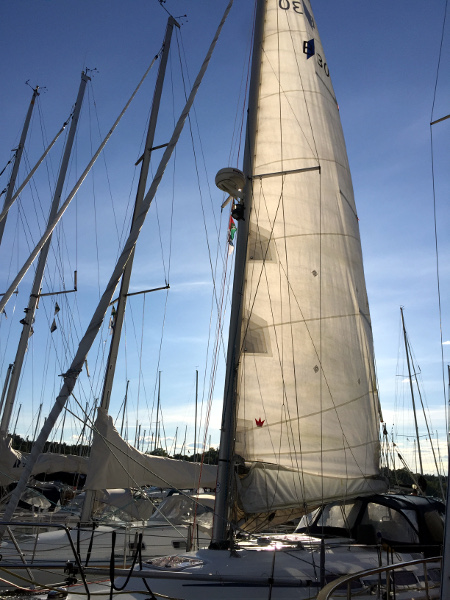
x: 435, y: 219
x: 213, y: 264
x: 108, y: 180
x: 5, y: 167
x: 94, y: 203
x: 141, y: 378
x: 175, y: 163
x: 220, y: 293
x: 166, y: 270
x: 243, y: 95
x: 67, y: 333
x: 4, y: 339
x: 289, y: 421
x: 66, y: 203
x: 415, y: 373
x: 166, y: 267
x: 158, y: 362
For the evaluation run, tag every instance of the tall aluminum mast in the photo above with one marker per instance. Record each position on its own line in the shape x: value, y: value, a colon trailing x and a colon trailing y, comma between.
x: 122, y: 300
x: 125, y: 282
x: 226, y: 449
x: 19, y: 151
x: 407, y: 350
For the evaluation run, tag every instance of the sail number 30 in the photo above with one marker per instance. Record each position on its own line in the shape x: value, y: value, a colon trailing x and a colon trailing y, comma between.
x: 294, y: 4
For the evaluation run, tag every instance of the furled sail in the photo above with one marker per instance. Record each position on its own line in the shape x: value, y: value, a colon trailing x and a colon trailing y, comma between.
x: 50, y: 462
x: 12, y: 462
x: 115, y: 464
x: 307, y: 407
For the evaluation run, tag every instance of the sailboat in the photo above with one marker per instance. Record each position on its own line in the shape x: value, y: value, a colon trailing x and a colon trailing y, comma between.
x: 300, y: 425
x: 301, y: 410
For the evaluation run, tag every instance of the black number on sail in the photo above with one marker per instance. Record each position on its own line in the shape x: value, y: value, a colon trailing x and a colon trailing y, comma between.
x: 286, y: 5
x: 323, y: 65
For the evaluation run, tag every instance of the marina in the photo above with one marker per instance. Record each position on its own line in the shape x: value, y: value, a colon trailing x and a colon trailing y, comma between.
x: 304, y: 495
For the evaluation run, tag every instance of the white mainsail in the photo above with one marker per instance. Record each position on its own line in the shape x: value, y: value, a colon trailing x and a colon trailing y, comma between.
x: 307, y: 406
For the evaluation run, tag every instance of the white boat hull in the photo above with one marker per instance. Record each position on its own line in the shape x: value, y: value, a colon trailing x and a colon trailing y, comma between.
x: 279, y: 573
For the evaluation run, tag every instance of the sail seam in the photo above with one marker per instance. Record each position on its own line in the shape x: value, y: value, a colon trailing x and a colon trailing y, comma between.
x: 311, y: 452
x: 311, y: 320
x: 304, y: 235
x: 325, y: 410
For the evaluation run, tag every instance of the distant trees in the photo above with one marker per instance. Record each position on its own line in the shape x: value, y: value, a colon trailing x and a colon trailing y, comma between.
x: 401, y: 478
x: 25, y: 445
x: 158, y: 452
x: 210, y: 457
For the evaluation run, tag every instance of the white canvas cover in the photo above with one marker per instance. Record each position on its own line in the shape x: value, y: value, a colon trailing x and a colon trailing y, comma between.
x: 308, y: 411
x: 12, y: 462
x: 115, y: 464
x: 50, y: 462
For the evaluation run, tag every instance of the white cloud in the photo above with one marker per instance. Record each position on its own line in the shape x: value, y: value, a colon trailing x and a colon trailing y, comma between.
x: 189, y: 286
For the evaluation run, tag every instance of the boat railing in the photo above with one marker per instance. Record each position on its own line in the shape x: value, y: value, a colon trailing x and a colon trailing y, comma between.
x: 6, y: 566
x: 346, y: 580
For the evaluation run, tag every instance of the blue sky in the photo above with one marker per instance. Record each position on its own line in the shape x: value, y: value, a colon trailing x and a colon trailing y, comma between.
x: 383, y: 62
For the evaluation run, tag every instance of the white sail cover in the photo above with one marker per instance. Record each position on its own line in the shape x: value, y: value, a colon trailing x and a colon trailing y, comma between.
x: 308, y: 411
x: 50, y: 462
x: 115, y: 464
x: 12, y: 462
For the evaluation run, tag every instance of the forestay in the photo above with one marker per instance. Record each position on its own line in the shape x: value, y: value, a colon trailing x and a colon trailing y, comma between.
x: 307, y: 406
